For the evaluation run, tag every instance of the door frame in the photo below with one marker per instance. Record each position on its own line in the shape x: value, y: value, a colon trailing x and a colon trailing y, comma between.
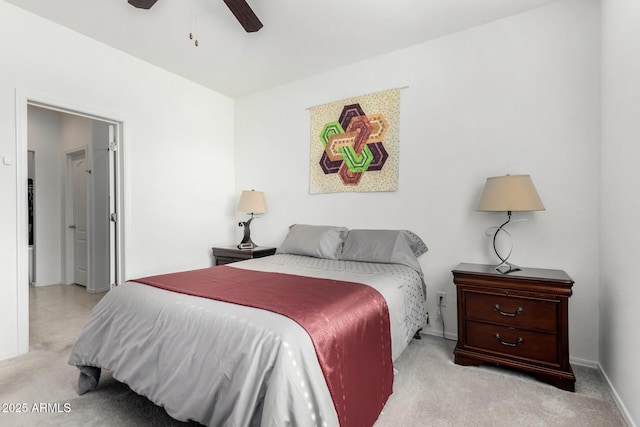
x: 23, y: 99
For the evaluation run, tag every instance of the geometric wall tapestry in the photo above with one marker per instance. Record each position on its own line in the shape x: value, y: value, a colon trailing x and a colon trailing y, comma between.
x: 355, y: 144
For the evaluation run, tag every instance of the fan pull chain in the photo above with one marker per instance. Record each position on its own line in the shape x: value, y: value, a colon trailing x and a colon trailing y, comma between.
x: 196, y: 41
x: 193, y: 22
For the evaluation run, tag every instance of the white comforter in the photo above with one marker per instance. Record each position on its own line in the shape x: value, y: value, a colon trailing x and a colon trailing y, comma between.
x: 223, y: 364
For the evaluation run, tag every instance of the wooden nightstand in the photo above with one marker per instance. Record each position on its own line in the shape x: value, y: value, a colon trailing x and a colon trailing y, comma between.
x: 229, y: 254
x: 519, y: 320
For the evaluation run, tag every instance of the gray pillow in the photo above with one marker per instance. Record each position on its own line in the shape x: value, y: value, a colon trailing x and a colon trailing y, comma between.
x: 319, y: 241
x: 417, y: 245
x: 384, y: 246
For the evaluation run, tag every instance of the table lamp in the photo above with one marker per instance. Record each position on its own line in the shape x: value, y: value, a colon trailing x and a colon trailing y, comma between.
x: 509, y: 193
x: 251, y: 202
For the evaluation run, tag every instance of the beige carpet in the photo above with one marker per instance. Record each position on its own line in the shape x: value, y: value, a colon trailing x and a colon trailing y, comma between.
x: 429, y: 389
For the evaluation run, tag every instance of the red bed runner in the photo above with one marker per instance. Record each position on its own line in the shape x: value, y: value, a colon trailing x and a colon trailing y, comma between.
x: 347, y: 322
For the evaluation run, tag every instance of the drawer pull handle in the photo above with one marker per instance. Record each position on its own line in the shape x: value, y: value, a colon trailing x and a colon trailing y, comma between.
x: 509, y: 344
x: 519, y: 310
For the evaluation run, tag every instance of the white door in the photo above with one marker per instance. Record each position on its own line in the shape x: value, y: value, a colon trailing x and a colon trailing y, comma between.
x: 80, y: 215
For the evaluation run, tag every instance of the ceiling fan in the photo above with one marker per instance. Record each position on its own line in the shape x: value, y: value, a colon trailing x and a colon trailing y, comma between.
x: 242, y: 11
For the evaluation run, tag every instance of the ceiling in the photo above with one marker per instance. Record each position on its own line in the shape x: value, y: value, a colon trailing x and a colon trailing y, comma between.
x: 299, y: 37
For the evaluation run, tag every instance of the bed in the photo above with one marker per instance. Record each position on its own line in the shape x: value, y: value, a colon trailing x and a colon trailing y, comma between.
x: 222, y: 363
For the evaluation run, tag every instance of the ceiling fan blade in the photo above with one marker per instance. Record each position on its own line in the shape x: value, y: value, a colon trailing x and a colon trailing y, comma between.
x: 142, y: 4
x: 244, y: 14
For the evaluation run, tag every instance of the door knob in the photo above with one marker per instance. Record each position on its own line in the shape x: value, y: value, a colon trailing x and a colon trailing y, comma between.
x: 72, y: 226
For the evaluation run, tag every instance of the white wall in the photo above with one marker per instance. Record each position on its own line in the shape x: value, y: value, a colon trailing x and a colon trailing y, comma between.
x: 45, y: 138
x: 620, y: 228
x: 520, y: 95
x: 178, y: 142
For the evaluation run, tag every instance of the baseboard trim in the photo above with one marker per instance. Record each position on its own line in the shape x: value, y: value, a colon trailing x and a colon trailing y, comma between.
x: 448, y: 335
x: 623, y: 409
x: 584, y: 362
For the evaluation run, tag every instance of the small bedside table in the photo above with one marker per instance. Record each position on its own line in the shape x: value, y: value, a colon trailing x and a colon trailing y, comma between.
x: 519, y: 320
x: 229, y: 254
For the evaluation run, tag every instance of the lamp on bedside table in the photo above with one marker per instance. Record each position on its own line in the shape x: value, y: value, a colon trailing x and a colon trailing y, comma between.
x: 251, y: 202
x: 509, y: 193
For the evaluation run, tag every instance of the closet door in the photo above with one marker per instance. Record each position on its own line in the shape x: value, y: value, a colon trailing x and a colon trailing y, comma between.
x: 79, y: 172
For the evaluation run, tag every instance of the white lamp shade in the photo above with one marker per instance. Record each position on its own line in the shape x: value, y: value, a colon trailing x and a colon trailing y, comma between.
x: 510, y: 193
x: 252, y: 202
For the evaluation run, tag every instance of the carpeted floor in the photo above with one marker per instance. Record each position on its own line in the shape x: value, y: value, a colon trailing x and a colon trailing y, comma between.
x: 429, y: 389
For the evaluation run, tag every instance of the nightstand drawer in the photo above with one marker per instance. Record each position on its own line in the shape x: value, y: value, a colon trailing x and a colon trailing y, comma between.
x: 520, y: 312
x: 512, y: 342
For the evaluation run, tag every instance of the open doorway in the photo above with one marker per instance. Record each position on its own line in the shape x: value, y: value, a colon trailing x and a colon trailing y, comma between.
x: 71, y: 163
x: 71, y: 199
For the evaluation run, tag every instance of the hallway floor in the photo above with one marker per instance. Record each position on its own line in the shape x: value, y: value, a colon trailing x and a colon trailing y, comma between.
x: 57, y: 314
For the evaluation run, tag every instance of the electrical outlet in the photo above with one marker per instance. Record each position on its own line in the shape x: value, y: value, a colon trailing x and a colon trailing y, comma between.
x: 442, y: 299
